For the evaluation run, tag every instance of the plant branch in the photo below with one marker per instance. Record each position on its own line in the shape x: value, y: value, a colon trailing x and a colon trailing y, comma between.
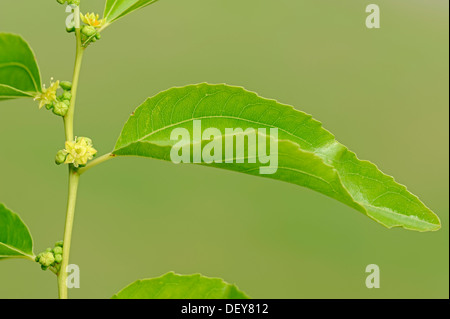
x: 73, y: 187
x: 73, y: 175
x: 68, y: 118
x: 95, y: 162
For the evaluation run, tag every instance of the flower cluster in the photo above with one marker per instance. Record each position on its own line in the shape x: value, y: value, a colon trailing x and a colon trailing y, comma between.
x: 77, y: 152
x: 49, y: 97
x: 89, y: 31
x: 51, y: 257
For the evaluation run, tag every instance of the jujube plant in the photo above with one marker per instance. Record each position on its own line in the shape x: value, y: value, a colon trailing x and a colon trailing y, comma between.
x: 306, y: 154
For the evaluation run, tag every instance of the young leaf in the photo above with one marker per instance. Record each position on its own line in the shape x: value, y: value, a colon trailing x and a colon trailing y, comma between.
x: 308, y: 155
x: 116, y: 9
x: 19, y: 72
x: 15, y: 238
x: 174, y: 286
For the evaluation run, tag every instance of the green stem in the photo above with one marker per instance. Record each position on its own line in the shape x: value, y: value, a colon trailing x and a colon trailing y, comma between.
x: 73, y: 187
x: 68, y: 119
x: 95, y: 162
x: 73, y: 175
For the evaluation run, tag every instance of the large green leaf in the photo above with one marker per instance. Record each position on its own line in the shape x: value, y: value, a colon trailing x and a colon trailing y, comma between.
x: 174, y: 286
x: 308, y: 155
x: 15, y: 238
x: 116, y: 9
x: 19, y: 72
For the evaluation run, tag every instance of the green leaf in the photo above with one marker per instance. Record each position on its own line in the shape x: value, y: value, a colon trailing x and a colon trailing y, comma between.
x: 116, y: 9
x: 15, y: 238
x: 19, y: 72
x: 174, y: 286
x: 308, y: 155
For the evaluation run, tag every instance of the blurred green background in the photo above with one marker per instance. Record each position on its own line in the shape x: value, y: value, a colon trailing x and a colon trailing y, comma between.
x: 383, y: 93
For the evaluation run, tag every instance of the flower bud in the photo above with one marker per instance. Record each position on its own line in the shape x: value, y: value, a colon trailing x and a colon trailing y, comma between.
x: 49, y: 106
x: 44, y: 267
x: 59, y: 159
x: 66, y: 85
x: 58, y: 258
x: 98, y: 35
x: 59, y: 243
x: 67, y: 95
x: 66, y: 102
x: 47, y: 259
x: 57, y: 250
x: 60, y: 108
x: 70, y: 29
x: 88, y: 30
x: 61, y: 1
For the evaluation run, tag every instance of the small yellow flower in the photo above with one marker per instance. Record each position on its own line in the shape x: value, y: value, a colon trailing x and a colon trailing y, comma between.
x: 93, y: 20
x: 47, y: 96
x: 79, y: 152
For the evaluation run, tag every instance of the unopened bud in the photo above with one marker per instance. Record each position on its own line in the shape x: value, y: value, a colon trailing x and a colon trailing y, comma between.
x: 47, y: 259
x: 60, y: 108
x: 74, y: 2
x: 57, y: 250
x: 58, y: 258
x: 60, y: 158
x: 49, y: 106
x: 88, y: 30
x: 67, y: 95
x: 66, y: 85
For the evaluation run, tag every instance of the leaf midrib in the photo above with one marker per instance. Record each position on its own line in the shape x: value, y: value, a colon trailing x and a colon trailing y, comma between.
x: 16, y: 250
x: 15, y: 89
x: 23, y: 66
x: 390, y: 211
x: 216, y: 116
